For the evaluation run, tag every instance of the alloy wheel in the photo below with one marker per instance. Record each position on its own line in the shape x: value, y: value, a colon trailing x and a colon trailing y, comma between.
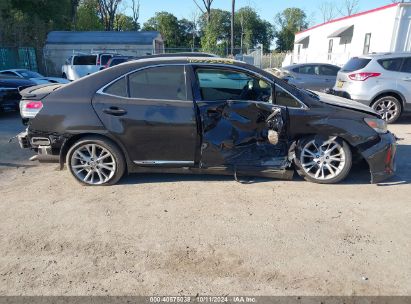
x: 387, y: 108
x: 323, y: 161
x: 93, y: 164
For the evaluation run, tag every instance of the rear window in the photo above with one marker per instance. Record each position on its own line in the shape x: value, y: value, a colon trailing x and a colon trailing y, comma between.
x: 355, y: 64
x: 391, y: 64
x: 85, y: 60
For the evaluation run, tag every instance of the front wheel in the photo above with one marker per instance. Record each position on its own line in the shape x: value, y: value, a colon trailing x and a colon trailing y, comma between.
x: 95, y: 161
x: 323, y: 160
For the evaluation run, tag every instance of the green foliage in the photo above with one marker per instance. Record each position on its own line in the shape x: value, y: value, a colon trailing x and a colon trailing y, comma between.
x: 215, y: 34
x: 87, y: 18
x: 289, y: 22
x: 124, y: 23
x: 252, y: 28
x: 175, y: 33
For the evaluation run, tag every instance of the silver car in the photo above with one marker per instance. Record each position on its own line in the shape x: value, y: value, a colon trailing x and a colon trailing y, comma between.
x: 382, y: 81
x: 312, y: 76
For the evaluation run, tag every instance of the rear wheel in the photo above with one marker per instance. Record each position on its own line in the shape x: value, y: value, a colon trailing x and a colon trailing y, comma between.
x: 388, y: 107
x: 323, y: 160
x: 95, y: 161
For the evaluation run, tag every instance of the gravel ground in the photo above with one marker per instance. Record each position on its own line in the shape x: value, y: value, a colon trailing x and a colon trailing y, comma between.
x: 178, y: 234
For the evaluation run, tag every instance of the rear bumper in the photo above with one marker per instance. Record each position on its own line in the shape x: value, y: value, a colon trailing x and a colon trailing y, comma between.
x: 345, y: 94
x: 44, y: 152
x: 381, y: 158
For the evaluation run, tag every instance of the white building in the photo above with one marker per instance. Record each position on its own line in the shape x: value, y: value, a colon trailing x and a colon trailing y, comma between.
x: 384, y: 29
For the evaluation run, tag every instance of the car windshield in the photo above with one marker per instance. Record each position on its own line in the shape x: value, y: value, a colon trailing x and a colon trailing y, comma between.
x: 355, y: 64
x: 29, y: 74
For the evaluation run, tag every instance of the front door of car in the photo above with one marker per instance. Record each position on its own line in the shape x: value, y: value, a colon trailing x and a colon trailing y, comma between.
x: 151, y: 112
x: 240, y: 127
x: 404, y: 79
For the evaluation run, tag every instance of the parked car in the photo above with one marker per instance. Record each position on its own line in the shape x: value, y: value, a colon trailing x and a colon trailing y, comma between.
x: 9, y: 92
x: 33, y: 76
x: 382, y: 81
x: 312, y: 76
x: 78, y: 66
x: 202, y: 115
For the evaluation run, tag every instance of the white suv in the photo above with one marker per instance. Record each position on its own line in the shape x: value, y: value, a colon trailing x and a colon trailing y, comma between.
x: 382, y: 81
x: 78, y: 66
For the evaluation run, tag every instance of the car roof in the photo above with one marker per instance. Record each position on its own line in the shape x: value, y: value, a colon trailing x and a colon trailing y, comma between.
x: 385, y: 55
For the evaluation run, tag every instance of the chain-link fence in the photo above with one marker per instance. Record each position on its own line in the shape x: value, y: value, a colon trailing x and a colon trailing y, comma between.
x: 18, y: 58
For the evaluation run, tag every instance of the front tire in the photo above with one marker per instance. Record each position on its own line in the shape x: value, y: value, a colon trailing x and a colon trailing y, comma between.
x: 323, y: 160
x: 388, y: 107
x: 95, y: 161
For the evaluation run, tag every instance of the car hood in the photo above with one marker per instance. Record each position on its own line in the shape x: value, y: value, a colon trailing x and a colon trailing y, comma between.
x: 345, y: 103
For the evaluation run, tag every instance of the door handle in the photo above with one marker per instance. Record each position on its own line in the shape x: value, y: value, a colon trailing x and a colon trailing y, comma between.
x: 115, y: 111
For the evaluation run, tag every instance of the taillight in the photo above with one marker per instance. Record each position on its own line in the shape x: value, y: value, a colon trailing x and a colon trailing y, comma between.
x: 363, y: 76
x: 35, y: 105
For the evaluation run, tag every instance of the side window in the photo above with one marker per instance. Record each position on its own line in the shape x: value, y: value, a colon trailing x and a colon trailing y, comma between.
x: 406, y: 67
x: 283, y: 98
x: 307, y: 69
x: 327, y: 70
x: 391, y: 64
x: 166, y: 82
x: 118, y: 88
x: 222, y: 84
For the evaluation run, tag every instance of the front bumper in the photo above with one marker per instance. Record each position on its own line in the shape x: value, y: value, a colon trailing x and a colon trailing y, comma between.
x: 381, y: 158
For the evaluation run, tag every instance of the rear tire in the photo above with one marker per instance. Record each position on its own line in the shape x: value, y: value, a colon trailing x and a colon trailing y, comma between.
x: 94, y: 161
x: 389, y: 107
x: 323, y: 160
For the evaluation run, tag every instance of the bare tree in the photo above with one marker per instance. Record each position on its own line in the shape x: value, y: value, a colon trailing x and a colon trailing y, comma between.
x: 107, y: 10
x: 328, y: 11
x: 73, y: 5
x: 195, y: 24
x: 206, y: 8
x: 135, y: 6
x: 348, y: 7
x: 232, y: 26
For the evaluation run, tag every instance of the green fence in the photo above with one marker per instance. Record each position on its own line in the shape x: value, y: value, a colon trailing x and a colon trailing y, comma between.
x: 18, y: 58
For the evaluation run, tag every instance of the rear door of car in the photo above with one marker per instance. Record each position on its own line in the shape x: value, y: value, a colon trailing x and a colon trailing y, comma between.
x: 234, y: 108
x: 328, y: 74
x: 308, y: 77
x: 151, y: 112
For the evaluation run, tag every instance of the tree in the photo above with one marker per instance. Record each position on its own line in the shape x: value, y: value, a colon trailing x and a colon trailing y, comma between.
x: 328, y: 11
x: 73, y: 5
x: 216, y: 32
x: 348, y: 7
x: 87, y: 16
x: 251, y: 29
x: 206, y: 9
x: 123, y: 23
x: 107, y: 10
x: 167, y: 24
x: 135, y: 7
x: 232, y: 26
x: 289, y: 22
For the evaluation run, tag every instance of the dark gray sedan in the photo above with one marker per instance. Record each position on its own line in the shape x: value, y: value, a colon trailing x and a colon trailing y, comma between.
x: 312, y: 76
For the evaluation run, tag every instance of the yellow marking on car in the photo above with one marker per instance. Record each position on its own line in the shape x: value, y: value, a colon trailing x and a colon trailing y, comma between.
x: 218, y: 61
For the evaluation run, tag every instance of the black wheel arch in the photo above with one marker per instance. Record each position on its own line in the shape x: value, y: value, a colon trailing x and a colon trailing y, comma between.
x: 395, y: 94
x: 76, y: 137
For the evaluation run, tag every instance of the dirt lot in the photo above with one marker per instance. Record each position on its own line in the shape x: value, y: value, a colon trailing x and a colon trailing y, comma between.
x: 174, y: 234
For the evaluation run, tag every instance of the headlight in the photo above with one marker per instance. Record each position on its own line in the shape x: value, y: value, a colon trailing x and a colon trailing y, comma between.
x: 379, y: 125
